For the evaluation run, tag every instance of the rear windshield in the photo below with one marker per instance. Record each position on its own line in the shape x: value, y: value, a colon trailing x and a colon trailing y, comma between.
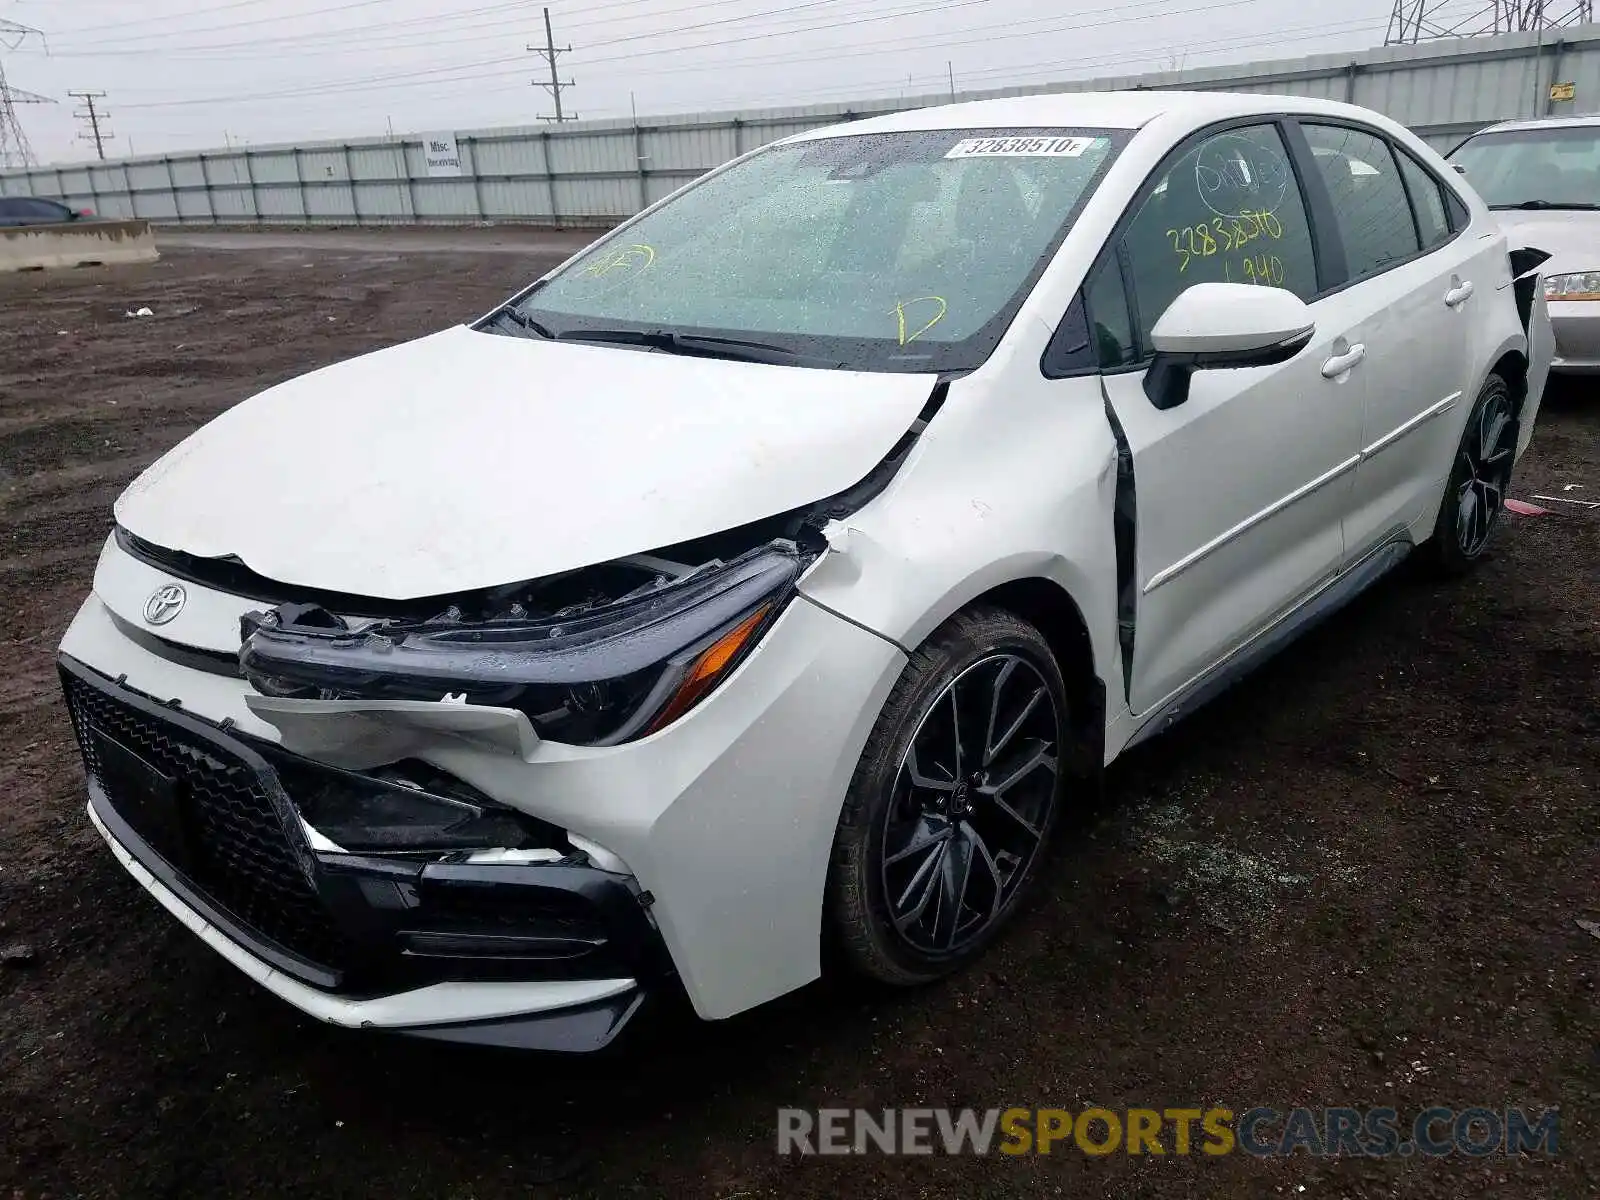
x: 1557, y: 167
x: 889, y: 252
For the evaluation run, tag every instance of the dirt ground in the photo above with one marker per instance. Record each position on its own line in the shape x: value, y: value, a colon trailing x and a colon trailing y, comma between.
x: 1354, y: 880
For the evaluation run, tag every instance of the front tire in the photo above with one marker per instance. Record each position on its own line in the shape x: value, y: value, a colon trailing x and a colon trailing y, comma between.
x: 1474, y: 495
x: 953, y: 802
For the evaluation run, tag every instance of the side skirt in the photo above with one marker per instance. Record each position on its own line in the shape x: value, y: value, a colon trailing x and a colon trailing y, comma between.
x: 1310, y: 612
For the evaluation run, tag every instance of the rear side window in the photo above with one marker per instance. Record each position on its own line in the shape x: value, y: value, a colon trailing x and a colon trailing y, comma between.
x: 1427, y: 197
x: 1226, y: 209
x: 29, y: 206
x: 1369, y: 200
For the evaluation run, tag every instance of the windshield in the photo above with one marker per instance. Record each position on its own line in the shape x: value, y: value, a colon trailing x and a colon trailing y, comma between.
x: 886, y: 252
x: 1555, y: 167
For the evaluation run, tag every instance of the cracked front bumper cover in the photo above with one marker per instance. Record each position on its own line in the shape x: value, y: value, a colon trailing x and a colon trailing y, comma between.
x: 551, y: 955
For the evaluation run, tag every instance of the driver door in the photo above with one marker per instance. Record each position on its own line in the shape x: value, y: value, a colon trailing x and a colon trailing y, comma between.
x: 1241, y: 491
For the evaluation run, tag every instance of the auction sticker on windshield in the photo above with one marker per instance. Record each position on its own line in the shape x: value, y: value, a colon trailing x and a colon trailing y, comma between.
x: 1021, y: 147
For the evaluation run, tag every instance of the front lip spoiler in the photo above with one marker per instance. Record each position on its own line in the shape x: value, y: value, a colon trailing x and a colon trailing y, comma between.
x: 572, y: 1016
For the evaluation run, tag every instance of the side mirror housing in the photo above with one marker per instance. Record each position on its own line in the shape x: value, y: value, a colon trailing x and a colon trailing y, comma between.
x: 1220, y: 326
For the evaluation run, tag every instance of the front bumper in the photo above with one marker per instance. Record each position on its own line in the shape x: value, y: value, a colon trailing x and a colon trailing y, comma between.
x: 1576, y: 324
x: 726, y: 817
x: 549, y: 955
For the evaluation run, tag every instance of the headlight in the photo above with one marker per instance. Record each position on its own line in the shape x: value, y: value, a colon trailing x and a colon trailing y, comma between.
x: 600, y: 676
x: 1578, y: 285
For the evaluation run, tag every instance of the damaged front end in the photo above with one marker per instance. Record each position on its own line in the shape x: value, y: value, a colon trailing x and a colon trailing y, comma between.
x: 401, y: 880
x: 598, y: 670
x: 345, y: 859
x: 389, y: 844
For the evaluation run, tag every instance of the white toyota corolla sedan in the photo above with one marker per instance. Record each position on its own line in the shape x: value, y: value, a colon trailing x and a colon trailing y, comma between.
x: 775, y: 573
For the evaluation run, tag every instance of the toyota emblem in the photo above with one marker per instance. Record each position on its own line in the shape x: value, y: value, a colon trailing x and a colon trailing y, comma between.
x: 165, y: 603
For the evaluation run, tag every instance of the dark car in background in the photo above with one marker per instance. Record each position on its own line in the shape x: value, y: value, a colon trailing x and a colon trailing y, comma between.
x: 36, y: 210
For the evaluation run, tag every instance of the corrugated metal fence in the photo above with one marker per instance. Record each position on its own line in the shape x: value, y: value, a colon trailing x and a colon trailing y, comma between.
x: 596, y: 172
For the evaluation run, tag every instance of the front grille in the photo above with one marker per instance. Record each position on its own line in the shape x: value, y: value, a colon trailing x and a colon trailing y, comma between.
x: 241, y: 856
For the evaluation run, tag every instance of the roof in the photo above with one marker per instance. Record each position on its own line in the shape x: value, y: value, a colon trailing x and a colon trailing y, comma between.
x: 1576, y: 121
x: 1088, y: 110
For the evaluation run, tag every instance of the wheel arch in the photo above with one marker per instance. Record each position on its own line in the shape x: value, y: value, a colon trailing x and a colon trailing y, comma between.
x: 1051, y: 609
x: 1512, y: 366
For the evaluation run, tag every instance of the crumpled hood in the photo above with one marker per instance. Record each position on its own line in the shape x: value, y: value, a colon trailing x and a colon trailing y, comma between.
x: 1572, y: 238
x: 467, y: 459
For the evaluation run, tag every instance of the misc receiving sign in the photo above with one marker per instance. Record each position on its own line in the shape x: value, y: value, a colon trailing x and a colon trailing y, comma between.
x: 444, y: 159
x: 1021, y: 147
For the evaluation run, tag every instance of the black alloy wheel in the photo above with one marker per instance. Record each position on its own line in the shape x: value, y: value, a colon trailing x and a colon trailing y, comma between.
x: 952, y: 806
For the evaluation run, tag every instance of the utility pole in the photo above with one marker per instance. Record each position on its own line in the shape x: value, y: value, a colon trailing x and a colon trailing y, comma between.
x: 94, y: 116
x: 950, y: 68
x: 14, y: 148
x: 550, y: 52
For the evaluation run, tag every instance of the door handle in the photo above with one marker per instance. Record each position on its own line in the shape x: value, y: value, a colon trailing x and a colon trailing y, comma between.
x: 1340, y: 363
x: 1459, y: 293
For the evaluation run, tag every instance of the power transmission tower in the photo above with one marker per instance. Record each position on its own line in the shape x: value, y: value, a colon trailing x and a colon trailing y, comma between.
x: 14, y: 148
x: 1424, y: 20
x: 93, y: 116
x: 549, y: 52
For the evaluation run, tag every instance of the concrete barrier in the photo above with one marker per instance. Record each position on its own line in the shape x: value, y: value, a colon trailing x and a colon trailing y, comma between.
x: 76, y: 244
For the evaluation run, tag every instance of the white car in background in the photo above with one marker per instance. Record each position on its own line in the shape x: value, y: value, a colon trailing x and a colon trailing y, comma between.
x: 779, y: 569
x: 1542, y: 179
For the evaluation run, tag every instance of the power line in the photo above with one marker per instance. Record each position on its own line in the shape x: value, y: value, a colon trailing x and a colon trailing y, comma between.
x: 398, y: 34
x: 413, y: 78
x: 549, y: 53
x: 93, y: 116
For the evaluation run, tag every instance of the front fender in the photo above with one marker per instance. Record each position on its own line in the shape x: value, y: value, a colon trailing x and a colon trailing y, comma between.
x: 1027, y: 493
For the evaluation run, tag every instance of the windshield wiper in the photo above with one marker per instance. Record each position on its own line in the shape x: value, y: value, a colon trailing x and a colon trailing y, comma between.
x: 695, y: 344
x: 1537, y: 205
x: 524, y: 322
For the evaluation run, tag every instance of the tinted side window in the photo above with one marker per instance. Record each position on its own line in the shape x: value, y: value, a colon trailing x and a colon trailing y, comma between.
x: 1111, y: 328
x: 1428, y: 199
x: 1369, y: 201
x: 29, y: 206
x: 1227, y: 209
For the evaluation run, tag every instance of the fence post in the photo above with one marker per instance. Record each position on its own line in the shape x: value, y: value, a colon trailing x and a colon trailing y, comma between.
x: 638, y: 159
x: 250, y: 177
x: 133, y: 197
x: 550, y: 179
x: 205, y: 180
x: 300, y: 187
x: 61, y: 185
x: 1555, y: 76
x: 477, y: 182
x: 94, y: 191
x: 738, y: 137
x: 411, y: 184
x: 1350, y: 74
x: 172, y: 189
x: 350, y: 179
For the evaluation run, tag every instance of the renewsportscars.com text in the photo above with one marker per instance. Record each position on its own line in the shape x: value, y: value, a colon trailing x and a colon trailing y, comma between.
x: 1262, y: 1132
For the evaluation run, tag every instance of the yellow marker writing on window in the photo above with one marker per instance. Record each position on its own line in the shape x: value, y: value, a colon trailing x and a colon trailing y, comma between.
x: 640, y: 255
x: 900, y: 315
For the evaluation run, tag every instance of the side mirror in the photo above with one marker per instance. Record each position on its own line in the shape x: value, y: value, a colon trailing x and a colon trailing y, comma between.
x: 1218, y: 326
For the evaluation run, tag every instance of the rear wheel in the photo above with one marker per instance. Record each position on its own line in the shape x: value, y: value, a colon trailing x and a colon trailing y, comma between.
x: 953, y: 802
x: 1475, y: 494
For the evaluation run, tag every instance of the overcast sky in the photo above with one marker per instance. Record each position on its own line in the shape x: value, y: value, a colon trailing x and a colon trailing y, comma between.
x: 192, y: 74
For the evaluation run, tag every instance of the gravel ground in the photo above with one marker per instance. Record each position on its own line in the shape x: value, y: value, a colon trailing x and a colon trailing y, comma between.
x: 1354, y: 880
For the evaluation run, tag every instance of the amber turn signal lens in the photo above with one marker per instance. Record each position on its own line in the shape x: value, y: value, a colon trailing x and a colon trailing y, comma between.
x: 708, y: 668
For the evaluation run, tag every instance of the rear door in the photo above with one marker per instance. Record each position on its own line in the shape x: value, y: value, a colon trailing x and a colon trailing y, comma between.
x: 1241, y: 489
x: 1418, y: 284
